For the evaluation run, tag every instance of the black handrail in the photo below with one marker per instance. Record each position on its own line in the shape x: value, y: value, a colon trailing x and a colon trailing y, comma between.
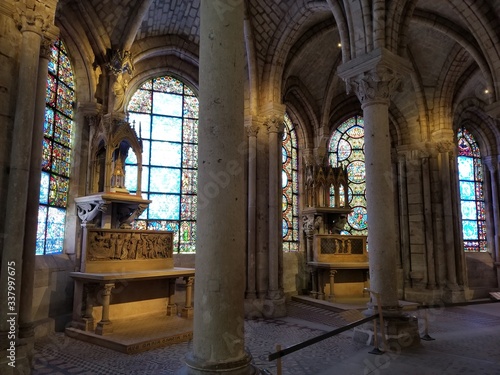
x: 314, y: 340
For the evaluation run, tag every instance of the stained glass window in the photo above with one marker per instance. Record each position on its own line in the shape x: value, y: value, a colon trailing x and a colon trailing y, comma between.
x: 290, y: 188
x: 346, y: 149
x: 165, y: 112
x: 56, y: 154
x: 470, y: 177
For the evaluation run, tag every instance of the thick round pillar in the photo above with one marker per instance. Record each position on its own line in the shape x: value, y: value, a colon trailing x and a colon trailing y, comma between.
x: 17, y: 194
x: 218, y: 329
x: 380, y: 202
x: 25, y: 315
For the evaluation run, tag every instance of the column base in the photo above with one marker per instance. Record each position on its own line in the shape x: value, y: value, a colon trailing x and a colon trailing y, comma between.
x: 171, y: 310
x: 187, y: 312
x: 401, y: 332
x: 253, y: 308
x: 274, y: 308
x: 200, y: 367
x: 85, y: 324
x: 104, y: 328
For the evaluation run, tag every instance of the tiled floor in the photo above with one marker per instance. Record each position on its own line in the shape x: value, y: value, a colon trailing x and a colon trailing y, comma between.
x: 467, y: 341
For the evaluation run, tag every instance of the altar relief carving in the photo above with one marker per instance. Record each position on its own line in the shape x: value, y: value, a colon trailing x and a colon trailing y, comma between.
x: 120, y: 245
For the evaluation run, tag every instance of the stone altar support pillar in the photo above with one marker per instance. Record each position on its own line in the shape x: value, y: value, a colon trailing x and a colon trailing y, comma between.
x: 218, y: 328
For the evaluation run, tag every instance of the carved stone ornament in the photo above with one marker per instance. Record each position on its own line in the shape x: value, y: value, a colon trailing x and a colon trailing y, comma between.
x: 377, y: 84
x: 128, y: 245
x: 34, y: 17
x: 274, y: 124
x: 445, y: 146
x: 308, y: 224
x: 252, y: 130
x: 120, y: 62
x: 87, y: 211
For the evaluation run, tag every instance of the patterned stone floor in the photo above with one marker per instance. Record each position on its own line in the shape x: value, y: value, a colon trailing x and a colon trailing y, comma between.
x: 467, y: 341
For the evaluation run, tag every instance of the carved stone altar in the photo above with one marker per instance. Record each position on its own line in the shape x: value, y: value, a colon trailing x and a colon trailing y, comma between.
x: 123, y: 273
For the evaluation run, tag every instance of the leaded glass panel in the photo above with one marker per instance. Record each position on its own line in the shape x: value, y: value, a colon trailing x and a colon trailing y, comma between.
x: 472, y: 206
x: 56, y: 152
x: 289, y: 185
x: 164, y: 112
x: 346, y: 149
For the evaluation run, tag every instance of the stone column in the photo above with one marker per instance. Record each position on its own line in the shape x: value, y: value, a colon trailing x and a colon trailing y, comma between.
x: 429, y: 236
x: 445, y: 148
x: 31, y: 24
x: 491, y: 163
x: 373, y: 78
x: 25, y: 314
x: 403, y: 219
x: 252, y: 130
x: 274, y: 126
x: 373, y: 88
x: 218, y: 327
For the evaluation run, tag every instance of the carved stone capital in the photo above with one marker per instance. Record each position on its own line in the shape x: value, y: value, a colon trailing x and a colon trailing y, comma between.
x: 374, y: 76
x: 46, y: 48
x: 35, y: 16
x: 445, y: 146
x: 252, y: 130
x: 274, y: 124
x: 375, y: 85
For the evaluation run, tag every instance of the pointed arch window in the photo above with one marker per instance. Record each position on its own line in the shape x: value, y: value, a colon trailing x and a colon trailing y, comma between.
x: 346, y: 148
x: 470, y: 177
x: 56, y: 154
x: 165, y: 111
x: 290, y: 187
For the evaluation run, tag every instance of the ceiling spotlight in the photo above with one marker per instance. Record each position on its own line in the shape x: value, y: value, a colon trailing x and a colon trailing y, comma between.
x: 486, y: 91
x: 339, y: 45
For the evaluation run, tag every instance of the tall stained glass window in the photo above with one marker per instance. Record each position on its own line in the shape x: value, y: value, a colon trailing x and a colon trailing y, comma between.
x: 54, y: 184
x: 346, y: 149
x: 165, y: 111
x: 470, y: 176
x: 290, y: 188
